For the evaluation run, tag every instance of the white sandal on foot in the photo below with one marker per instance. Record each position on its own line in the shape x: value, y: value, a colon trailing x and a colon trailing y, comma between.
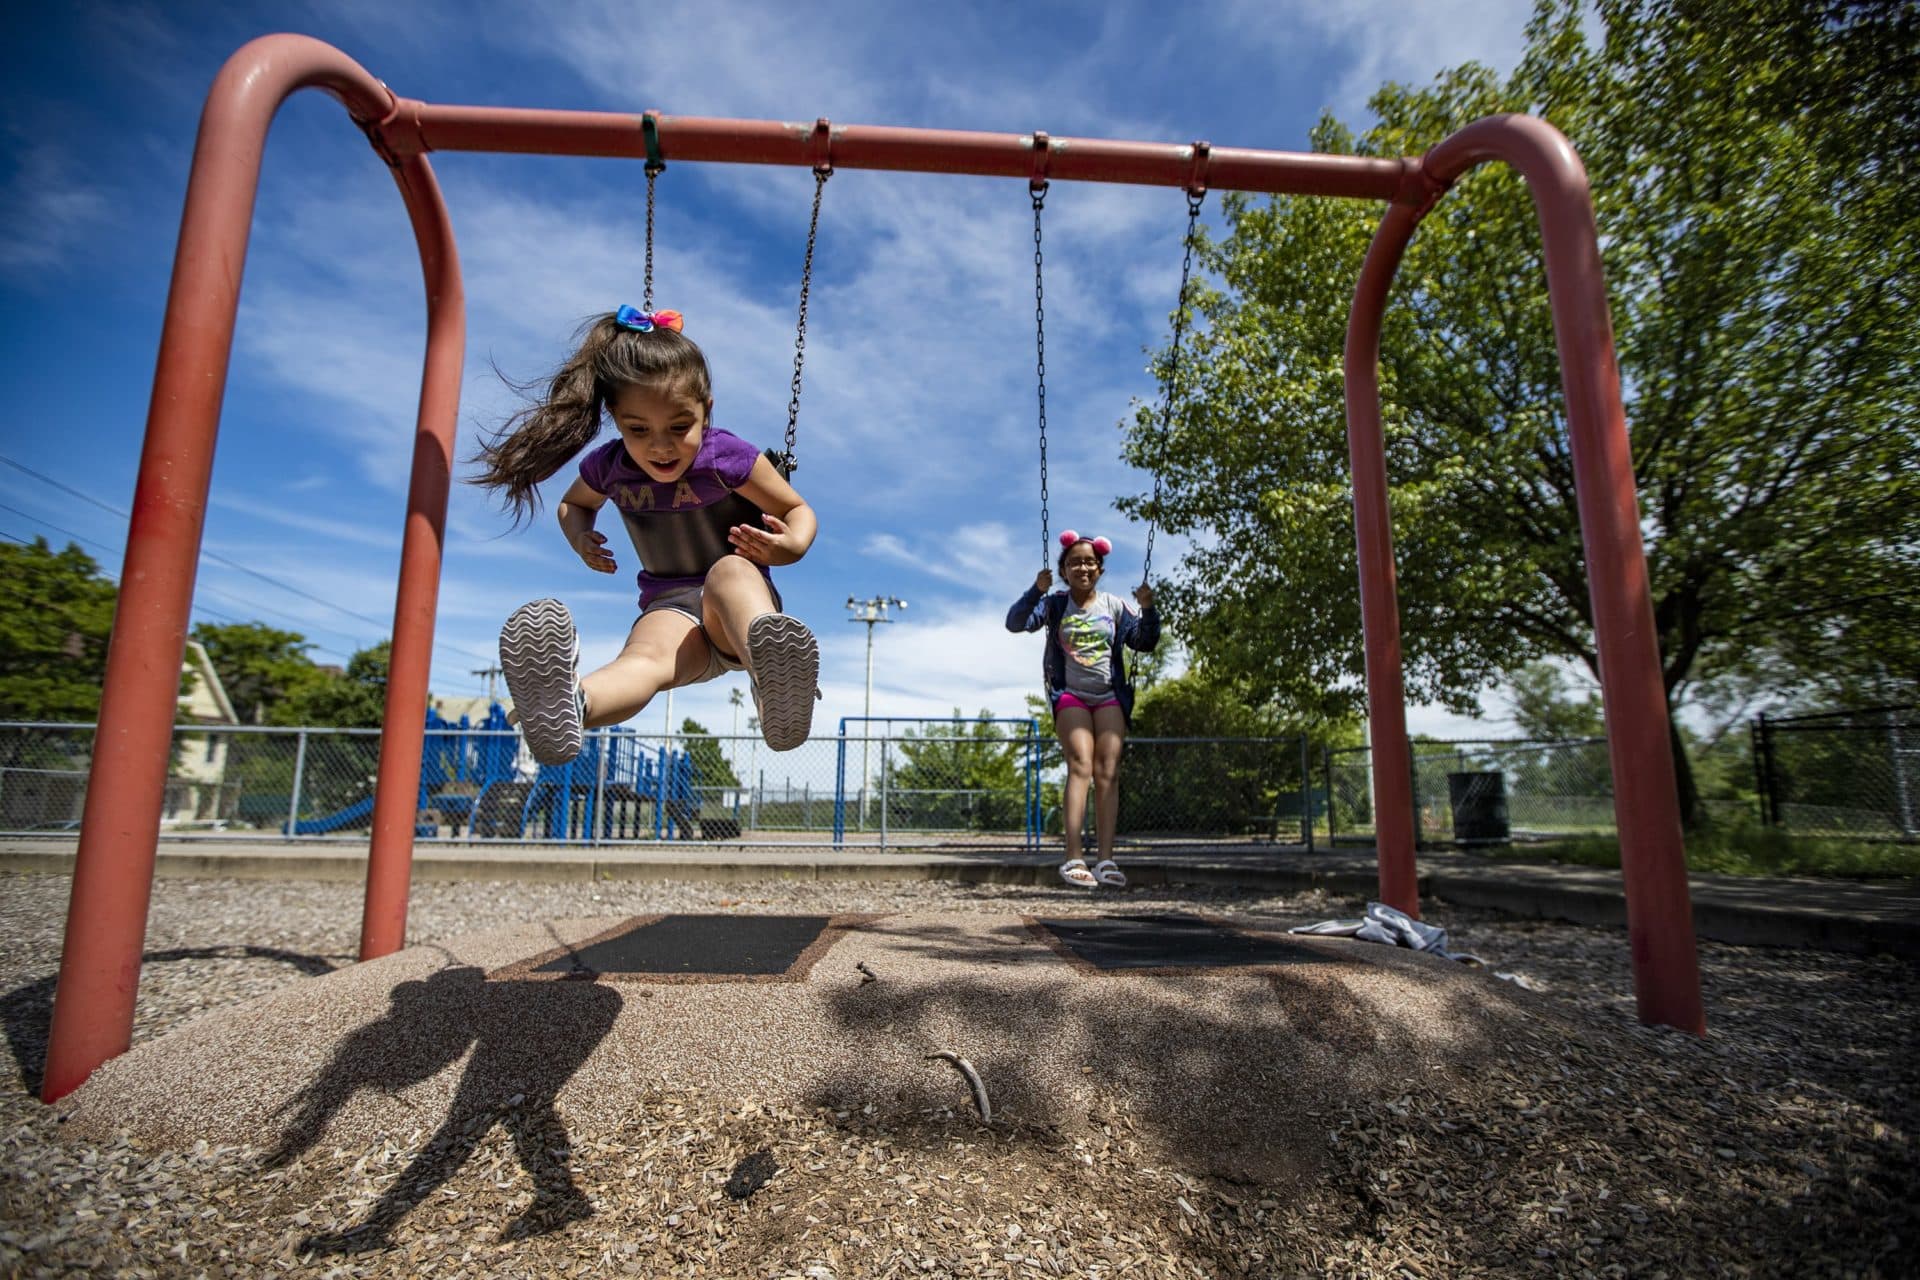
x: 1108, y: 873
x: 1074, y: 872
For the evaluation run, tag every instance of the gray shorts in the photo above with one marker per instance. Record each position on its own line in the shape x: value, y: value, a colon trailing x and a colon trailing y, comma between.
x: 687, y: 602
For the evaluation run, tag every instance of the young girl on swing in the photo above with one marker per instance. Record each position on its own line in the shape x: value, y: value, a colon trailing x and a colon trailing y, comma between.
x: 1088, y: 631
x: 694, y: 498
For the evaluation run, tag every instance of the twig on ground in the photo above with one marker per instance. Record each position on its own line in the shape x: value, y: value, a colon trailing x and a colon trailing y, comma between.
x: 965, y: 1068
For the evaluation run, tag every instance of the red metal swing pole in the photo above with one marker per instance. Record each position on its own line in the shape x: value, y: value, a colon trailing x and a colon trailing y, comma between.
x: 1393, y: 817
x: 113, y: 868
x: 1666, y: 969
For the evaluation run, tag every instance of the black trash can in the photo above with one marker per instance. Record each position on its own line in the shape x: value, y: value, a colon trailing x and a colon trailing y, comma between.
x: 1479, y: 803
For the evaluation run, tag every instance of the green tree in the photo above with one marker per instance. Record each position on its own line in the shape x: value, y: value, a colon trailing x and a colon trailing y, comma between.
x: 356, y: 699
x: 969, y: 773
x: 1762, y: 259
x: 710, y: 766
x: 53, y: 638
x: 266, y: 671
x: 1545, y: 707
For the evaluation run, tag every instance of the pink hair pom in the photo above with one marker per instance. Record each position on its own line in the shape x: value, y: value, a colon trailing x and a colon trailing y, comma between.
x: 1068, y: 538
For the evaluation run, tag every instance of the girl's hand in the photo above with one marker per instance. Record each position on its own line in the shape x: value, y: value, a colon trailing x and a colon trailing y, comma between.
x: 1143, y: 596
x: 763, y: 547
x: 591, y: 546
x: 1043, y: 580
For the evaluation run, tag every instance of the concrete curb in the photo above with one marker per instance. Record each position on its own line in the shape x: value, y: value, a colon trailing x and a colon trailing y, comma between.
x: 1829, y: 917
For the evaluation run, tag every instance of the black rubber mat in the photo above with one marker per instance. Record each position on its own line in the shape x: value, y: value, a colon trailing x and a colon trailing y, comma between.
x: 750, y: 946
x: 1168, y: 942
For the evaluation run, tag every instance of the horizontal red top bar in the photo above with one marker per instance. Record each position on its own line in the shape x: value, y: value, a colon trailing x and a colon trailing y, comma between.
x: 420, y: 126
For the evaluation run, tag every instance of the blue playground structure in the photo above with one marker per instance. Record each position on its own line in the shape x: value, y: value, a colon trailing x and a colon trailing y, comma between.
x: 468, y: 776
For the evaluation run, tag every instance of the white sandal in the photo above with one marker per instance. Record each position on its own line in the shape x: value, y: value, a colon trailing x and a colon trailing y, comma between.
x: 1108, y: 872
x: 1074, y: 872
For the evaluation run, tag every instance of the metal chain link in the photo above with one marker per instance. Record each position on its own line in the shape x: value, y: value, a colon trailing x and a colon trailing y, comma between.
x: 1039, y: 193
x: 1173, y: 373
x: 653, y: 173
x: 789, y: 463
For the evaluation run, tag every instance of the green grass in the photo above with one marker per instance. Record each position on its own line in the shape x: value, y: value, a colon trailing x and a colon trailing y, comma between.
x: 1746, y: 851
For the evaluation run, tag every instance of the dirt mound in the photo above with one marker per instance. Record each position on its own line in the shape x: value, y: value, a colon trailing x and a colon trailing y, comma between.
x: 1224, y: 1069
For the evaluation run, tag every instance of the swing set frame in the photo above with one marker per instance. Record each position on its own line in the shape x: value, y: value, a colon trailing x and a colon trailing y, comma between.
x: 113, y: 872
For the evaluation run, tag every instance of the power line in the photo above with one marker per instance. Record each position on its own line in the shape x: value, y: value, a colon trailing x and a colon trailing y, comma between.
x: 385, y: 626
x: 198, y: 607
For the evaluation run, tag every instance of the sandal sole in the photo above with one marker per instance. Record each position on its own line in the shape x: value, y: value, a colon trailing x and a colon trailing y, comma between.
x: 540, y: 657
x: 785, y: 659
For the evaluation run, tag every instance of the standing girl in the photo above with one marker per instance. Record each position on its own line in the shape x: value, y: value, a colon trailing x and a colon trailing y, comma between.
x: 693, y: 498
x: 1088, y: 689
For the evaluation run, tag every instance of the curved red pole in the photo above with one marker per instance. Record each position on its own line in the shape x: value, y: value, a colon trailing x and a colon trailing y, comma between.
x: 113, y: 870
x: 1666, y: 965
x: 383, y: 920
x: 1373, y: 541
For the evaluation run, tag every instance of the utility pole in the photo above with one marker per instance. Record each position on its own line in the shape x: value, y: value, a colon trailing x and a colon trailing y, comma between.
x: 492, y: 674
x: 870, y: 611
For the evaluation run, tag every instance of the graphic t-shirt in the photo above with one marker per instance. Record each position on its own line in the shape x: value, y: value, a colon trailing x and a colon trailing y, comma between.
x: 722, y: 464
x: 1086, y: 638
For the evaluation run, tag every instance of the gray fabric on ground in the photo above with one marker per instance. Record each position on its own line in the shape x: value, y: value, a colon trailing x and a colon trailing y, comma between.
x: 1395, y: 928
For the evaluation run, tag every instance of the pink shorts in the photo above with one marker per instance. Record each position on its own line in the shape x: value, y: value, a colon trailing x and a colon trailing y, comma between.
x: 1068, y: 700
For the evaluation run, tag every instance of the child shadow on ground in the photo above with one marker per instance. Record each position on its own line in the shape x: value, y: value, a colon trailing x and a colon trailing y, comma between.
x: 527, y: 1038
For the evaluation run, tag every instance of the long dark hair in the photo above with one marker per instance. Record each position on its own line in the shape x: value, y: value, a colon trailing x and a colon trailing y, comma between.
x: 545, y: 435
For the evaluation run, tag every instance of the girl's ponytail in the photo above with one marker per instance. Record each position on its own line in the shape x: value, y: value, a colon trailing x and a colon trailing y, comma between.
x: 543, y: 437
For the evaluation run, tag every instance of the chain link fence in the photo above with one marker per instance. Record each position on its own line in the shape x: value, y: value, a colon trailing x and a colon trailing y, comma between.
x: 1841, y: 773
x: 1482, y: 791
x: 940, y: 783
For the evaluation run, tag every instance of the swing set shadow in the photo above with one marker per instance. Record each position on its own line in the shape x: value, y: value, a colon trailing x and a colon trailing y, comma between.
x: 112, y: 883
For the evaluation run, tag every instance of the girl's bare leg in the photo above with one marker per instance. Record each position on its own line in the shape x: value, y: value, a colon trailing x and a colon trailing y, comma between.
x: 736, y: 593
x: 665, y: 649
x: 778, y: 651
x: 1074, y: 725
x: 1109, y: 737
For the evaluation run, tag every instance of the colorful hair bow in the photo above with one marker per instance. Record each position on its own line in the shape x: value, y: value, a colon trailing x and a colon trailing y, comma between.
x: 647, y: 321
x: 1104, y: 547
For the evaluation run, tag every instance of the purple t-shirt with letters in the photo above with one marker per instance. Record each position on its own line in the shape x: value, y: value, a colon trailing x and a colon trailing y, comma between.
x: 722, y: 465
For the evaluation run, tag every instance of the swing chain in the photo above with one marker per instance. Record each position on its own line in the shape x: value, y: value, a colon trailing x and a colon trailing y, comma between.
x: 653, y: 172
x: 788, y: 462
x: 1173, y: 371
x: 1038, y: 190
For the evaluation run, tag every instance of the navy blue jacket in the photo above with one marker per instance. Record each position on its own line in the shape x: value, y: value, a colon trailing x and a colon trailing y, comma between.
x: 1130, y: 631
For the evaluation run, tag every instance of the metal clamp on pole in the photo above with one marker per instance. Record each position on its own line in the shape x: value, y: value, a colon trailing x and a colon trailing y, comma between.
x: 650, y: 134
x: 1042, y: 160
x: 820, y: 146
x: 1197, y: 175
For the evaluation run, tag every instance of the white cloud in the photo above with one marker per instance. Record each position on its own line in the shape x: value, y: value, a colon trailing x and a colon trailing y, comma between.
x: 330, y: 530
x: 968, y: 554
x: 1389, y: 39
x: 48, y: 211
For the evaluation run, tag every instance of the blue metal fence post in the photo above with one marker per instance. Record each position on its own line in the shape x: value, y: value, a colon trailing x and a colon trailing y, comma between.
x: 597, y: 818
x: 840, y: 789
x: 660, y: 797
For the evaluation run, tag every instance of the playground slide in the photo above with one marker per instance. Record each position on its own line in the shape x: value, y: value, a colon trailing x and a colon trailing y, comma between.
x: 358, y: 814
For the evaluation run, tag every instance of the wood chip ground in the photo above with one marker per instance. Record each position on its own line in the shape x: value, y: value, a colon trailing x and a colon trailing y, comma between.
x: 1579, y: 1144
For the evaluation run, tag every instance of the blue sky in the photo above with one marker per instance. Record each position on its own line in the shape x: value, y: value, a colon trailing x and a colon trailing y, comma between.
x: 917, y: 425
